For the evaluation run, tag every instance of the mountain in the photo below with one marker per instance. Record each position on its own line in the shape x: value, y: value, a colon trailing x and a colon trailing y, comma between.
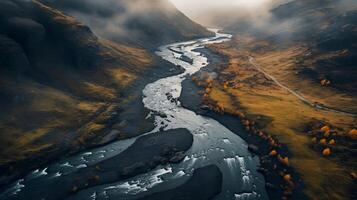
x: 63, y: 88
x: 330, y: 29
x: 326, y: 27
x: 142, y: 22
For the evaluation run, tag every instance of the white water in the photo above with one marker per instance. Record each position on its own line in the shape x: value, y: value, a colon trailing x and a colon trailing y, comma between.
x: 213, y: 143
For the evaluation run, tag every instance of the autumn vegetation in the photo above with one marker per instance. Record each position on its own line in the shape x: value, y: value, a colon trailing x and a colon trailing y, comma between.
x: 58, y: 102
x: 321, y: 143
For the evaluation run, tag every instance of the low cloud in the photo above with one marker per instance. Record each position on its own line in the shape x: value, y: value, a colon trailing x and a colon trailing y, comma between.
x: 221, y: 13
x: 111, y: 19
x: 278, y: 20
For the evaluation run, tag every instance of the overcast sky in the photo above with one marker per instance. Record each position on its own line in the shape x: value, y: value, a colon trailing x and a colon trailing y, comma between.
x: 204, y: 4
x: 198, y: 10
x: 191, y: 7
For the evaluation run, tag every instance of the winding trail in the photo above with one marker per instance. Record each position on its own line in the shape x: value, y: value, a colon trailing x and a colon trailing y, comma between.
x: 213, y: 144
x: 299, y: 96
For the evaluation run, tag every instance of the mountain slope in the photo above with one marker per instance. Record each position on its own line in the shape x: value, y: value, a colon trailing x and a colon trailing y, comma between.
x: 142, y: 22
x: 59, y: 84
x: 330, y: 30
x: 63, y: 89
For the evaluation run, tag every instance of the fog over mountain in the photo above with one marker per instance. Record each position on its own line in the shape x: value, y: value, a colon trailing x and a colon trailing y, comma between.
x: 135, y: 21
x: 231, y: 14
x: 227, y: 11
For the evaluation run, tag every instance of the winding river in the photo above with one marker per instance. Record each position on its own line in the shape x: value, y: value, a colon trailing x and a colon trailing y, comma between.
x: 213, y: 143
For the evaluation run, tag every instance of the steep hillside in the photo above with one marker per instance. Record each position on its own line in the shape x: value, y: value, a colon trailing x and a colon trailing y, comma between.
x: 329, y: 28
x: 142, y: 22
x: 63, y: 89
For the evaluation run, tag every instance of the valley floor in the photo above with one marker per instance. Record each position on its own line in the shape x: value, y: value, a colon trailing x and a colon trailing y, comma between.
x: 306, y: 140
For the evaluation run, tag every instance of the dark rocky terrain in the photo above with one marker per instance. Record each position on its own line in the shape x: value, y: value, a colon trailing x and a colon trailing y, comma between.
x: 206, y: 183
x: 144, y: 155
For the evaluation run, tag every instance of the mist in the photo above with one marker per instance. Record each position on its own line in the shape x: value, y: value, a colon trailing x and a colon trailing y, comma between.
x: 115, y: 19
x: 279, y: 20
x: 219, y: 13
x: 118, y: 19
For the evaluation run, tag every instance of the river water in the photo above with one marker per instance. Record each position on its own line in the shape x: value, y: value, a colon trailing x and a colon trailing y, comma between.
x: 213, y: 143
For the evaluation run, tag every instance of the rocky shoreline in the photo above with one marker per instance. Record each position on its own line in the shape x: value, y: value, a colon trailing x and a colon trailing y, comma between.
x: 147, y: 152
x: 123, y: 123
x: 205, y: 184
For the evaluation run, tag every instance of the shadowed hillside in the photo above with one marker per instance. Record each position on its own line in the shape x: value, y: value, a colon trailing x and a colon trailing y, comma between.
x: 141, y: 22
x: 63, y: 89
x: 330, y: 29
x: 59, y: 83
x: 326, y: 27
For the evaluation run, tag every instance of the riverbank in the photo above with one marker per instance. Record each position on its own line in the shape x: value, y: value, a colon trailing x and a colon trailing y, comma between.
x: 205, y: 184
x: 120, y: 121
x: 320, y: 141
x: 191, y: 98
x: 145, y: 154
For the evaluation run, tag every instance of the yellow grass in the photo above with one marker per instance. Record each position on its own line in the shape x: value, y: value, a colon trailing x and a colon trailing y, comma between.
x: 98, y: 90
x: 121, y: 77
x: 283, y: 65
x: 324, y: 178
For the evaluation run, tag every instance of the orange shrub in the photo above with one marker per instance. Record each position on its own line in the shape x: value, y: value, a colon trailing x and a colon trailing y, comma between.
x: 325, y: 129
x: 353, y: 134
x: 332, y: 142
x: 327, y: 134
x: 225, y: 85
x: 284, y: 161
x: 326, y: 152
x: 287, y: 177
x: 273, y: 153
x: 323, y: 141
